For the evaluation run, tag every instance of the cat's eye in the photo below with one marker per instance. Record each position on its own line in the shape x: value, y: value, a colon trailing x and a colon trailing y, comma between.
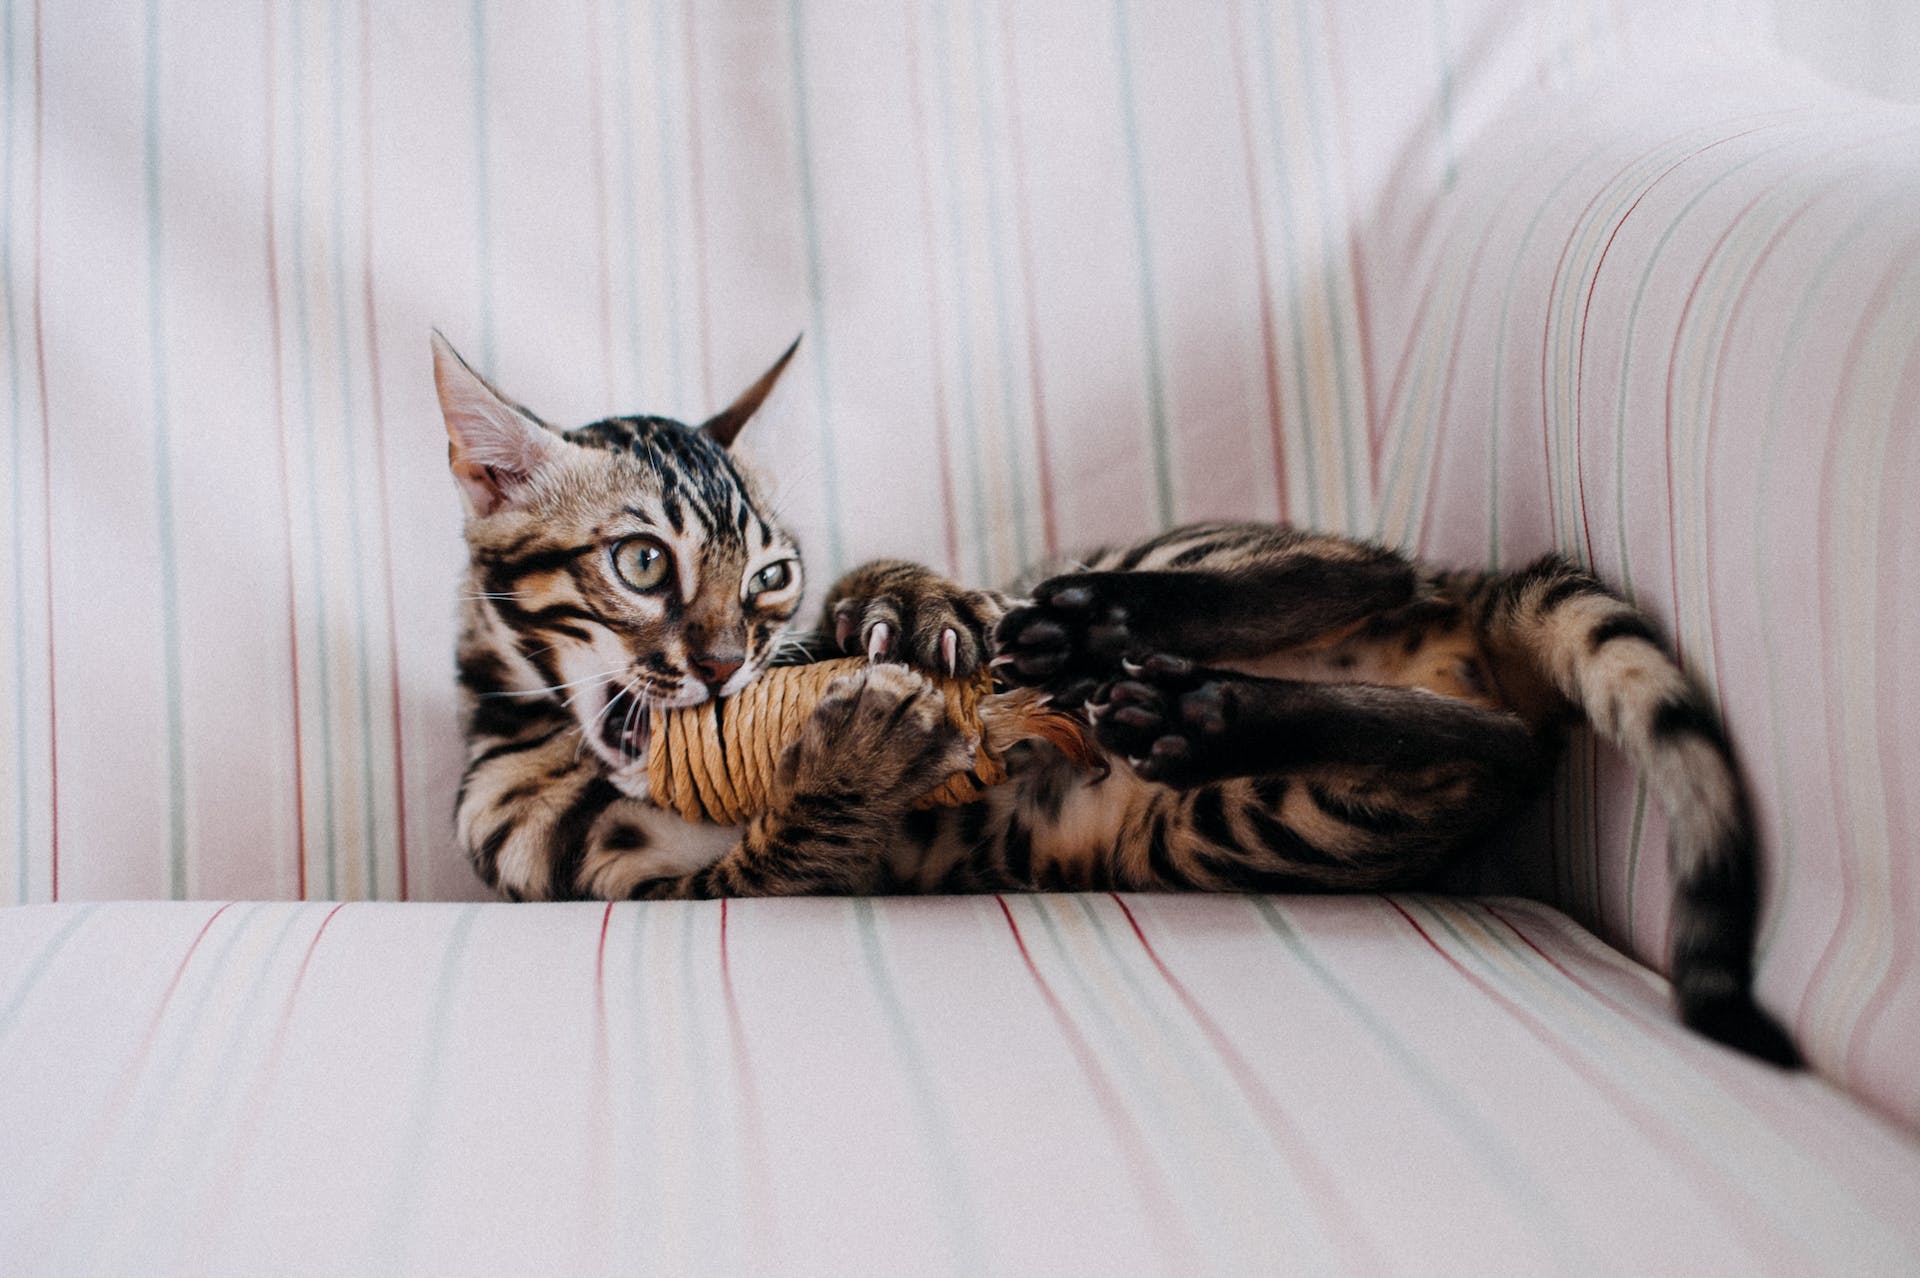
x: 641, y: 562
x: 771, y: 578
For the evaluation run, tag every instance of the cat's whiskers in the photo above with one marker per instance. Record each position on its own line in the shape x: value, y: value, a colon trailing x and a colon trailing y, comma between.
x: 593, y: 728
x: 558, y: 687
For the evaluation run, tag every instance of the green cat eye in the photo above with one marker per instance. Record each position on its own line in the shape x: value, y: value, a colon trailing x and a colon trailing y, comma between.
x: 641, y: 562
x: 772, y: 577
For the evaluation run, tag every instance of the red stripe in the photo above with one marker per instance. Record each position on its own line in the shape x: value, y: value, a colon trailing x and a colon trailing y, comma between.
x: 1709, y: 1180
x: 218, y: 1203
x: 179, y: 971
x: 380, y: 436
x: 1446, y: 384
x: 1895, y: 482
x: 942, y: 447
x: 1846, y: 846
x: 1262, y: 265
x: 286, y: 474
x: 1546, y: 341
x: 1580, y: 358
x: 599, y: 1116
x: 1673, y: 360
x: 1729, y: 1071
x: 60, y: 1202
x: 1314, y: 1179
x: 46, y: 453
x: 1154, y: 1192
x: 1023, y: 231
x: 753, y: 1128
x: 596, y: 138
x: 1362, y: 308
x: 697, y: 197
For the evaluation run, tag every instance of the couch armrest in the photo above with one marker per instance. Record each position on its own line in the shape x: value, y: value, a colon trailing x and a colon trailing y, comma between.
x: 1670, y: 325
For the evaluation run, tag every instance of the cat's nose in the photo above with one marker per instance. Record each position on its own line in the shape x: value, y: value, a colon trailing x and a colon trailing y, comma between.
x: 715, y: 668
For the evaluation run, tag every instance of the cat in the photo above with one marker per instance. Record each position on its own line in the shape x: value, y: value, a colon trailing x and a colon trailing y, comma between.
x: 1284, y: 710
x: 1290, y: 711
x: 635, y: 562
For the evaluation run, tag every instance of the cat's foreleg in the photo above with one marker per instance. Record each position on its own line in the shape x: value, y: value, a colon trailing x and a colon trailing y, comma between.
x: 896, y: 610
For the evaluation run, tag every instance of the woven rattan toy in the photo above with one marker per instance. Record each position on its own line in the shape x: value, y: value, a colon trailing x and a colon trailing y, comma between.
x: 716, y: 761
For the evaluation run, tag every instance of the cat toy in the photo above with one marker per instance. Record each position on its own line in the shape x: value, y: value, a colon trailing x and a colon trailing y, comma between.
x: 716, y: 761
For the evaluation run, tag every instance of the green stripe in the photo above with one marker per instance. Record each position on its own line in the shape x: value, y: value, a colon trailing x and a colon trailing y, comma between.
x: 1742, y: 1149
x: 953, y: 1201
x: 1523, y: 1185
x: 323, y: 665
x: 388, y: 1237
x: 963, y: 302
x: 163, y: 478
x: 639, y: 1087
x: 483, y: 197
x: 1636, y: 844
x: 1350, y: 427
x: 370, y: 849
x: 1201, y: 1063
x: 816, y: 292
x: 1443, y: 63
x: 38, y: 967
x: 630, y: 200
x: 670, y: 185
x: 22, y: 831
x: 1163, y: 496
x: 1203, y: 1208
x: 1300, y: 412
x: 713, y: 1204
x: 1020, y: 470
x: 92, y: 1222
x: 1766, y: 578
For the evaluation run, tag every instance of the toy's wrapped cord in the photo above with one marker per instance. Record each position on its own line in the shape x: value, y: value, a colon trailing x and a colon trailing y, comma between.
x: 716, y: 761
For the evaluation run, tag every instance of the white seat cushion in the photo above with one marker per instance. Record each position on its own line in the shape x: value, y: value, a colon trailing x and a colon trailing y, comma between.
x: 1067, y: 1084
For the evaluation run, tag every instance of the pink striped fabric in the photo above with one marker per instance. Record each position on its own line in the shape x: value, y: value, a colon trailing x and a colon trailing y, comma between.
x: 1031, y: 1085
x: 1479, y: 278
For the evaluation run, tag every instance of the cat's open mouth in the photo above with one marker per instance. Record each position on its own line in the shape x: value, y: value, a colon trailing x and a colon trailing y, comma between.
x: 632, y: 742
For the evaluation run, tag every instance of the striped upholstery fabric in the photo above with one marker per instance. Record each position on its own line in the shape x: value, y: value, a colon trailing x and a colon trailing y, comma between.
x: 1090, y: 1085
x: 1478, y: 277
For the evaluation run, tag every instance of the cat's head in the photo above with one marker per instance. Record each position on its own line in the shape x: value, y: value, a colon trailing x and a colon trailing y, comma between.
x: 626, y: 563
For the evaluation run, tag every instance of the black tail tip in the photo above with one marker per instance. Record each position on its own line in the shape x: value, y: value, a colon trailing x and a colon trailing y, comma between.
x: 1737, y: 1021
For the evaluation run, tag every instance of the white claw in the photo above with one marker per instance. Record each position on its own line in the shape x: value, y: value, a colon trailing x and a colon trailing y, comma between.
x: 1005, y: 659
x: 1131, y: 667
x: 950, y: 649
x: 877, y: 641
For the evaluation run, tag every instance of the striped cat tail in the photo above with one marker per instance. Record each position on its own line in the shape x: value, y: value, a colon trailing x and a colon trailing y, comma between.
x: 1598, y: 652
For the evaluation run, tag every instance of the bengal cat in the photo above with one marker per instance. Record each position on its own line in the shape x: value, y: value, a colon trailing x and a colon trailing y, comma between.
x: 634, y: 562
x: 1291, y: 711
x: 1284, y: 711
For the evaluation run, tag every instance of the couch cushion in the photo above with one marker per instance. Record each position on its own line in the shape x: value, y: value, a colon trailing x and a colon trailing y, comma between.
x: 1063, y: 1084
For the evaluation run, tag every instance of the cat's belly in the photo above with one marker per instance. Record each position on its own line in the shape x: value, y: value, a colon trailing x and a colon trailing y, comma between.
x: 1449, y: 662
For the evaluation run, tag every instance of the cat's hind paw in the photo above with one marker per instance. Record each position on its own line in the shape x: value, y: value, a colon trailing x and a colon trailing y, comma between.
x: 1163, y: 716
x: 1068, y: 639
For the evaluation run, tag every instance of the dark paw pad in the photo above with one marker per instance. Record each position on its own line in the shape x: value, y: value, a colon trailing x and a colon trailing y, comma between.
x: 1067, y: 640
x: 1163, y: 717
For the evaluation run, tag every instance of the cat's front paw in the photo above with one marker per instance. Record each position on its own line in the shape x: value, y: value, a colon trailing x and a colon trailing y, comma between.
x: 892, y: 610
x: 879, y: 738
x: 1164, y: 717
x: 1069, y: 639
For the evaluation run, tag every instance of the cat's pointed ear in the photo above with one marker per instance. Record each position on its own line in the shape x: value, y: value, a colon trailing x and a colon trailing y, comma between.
x: 493, y: 445
x: 725, y: 425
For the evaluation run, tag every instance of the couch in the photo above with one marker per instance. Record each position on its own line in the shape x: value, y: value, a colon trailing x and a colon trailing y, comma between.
x: 1479, y: 279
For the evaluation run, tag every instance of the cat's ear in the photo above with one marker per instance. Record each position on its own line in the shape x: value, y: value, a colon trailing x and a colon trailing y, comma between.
x: 493, y: 445
x: 724, y: 425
